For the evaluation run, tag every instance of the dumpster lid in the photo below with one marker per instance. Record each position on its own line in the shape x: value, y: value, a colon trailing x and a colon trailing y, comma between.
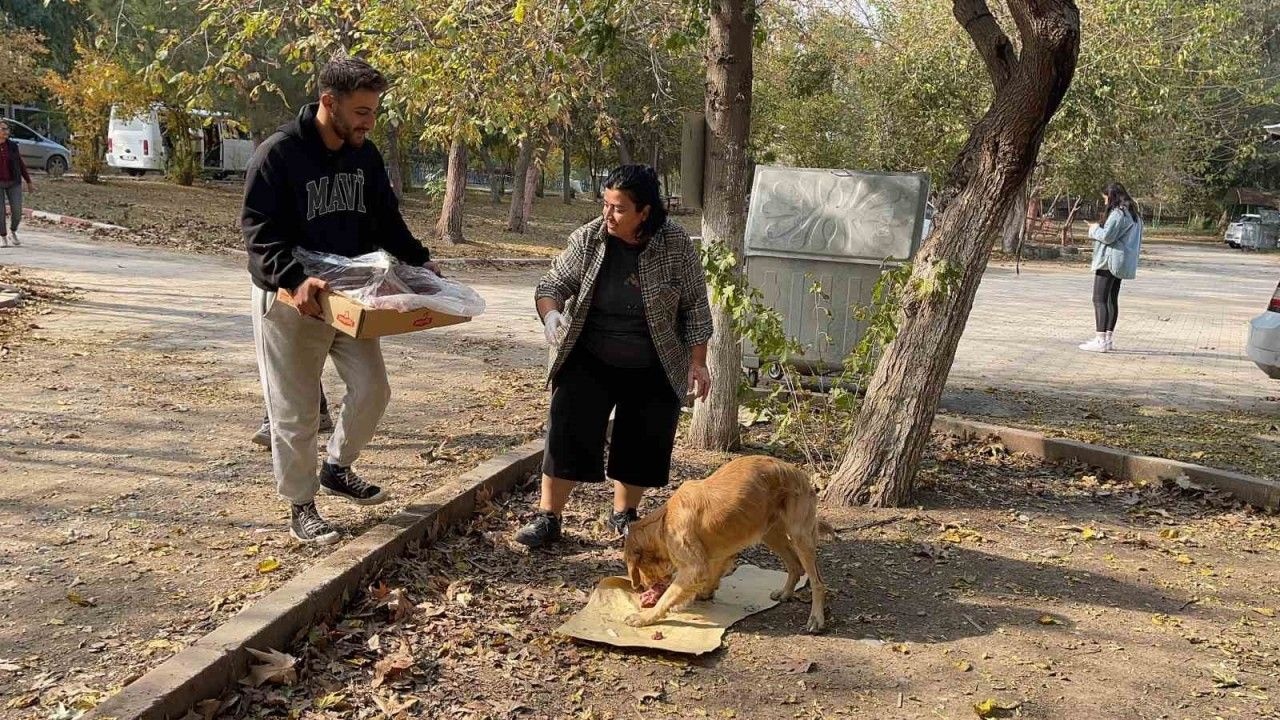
x: 836, y: 215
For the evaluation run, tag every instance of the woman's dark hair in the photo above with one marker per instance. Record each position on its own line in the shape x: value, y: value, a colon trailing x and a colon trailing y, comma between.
x: 640, y: 183
x: 1118, y: 199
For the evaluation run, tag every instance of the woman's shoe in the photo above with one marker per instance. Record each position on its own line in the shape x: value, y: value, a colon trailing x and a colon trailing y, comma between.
x: 1098, y: 345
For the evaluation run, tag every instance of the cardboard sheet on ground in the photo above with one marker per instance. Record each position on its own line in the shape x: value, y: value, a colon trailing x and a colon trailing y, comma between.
x: 697, y: 629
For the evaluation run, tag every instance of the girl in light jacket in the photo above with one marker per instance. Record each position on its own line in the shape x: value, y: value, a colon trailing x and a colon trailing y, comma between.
x: 1116, y: 244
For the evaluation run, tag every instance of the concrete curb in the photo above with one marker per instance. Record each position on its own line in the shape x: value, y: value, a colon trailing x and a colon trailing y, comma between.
x: 68, y: 220
x: 1259, y: 492
x: 218, y: 660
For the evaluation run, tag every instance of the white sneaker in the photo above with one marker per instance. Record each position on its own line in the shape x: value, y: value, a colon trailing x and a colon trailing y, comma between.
x: 1098, y: 345
x: 4, y: 241
x: 13, y: 238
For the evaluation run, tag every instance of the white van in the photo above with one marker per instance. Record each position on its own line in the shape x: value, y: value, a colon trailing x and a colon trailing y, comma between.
x: 141, y: 144
x: 135, y: 144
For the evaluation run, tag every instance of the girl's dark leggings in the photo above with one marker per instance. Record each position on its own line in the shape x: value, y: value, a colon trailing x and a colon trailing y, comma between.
x: 1106, y: 300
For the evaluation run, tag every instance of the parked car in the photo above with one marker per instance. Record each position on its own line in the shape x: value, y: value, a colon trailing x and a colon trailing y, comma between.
x: 1263, y: 346
x: 38, y: 151
x: 1234, y: 236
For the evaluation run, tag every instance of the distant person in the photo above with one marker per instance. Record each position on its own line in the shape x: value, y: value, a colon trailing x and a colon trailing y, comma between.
x: 625, y: 307
x: 1116, y: 245
x: 13, y: 171
x: 318, y: 183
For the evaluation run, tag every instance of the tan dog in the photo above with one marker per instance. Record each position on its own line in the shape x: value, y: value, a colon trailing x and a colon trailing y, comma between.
x: 692, y: 540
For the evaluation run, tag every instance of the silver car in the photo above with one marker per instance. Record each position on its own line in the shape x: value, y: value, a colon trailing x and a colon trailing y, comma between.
x: 38, y: 151
x: 1263, y: 346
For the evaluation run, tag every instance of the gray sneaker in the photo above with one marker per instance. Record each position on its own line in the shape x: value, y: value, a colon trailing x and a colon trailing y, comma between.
x: 13, y: 238
x: 4, y: 241
x: 263, y: 436
x: 306, y: 525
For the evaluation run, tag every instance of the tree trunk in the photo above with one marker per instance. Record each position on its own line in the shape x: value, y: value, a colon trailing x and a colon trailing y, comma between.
x: 1067, y: 237
x: 519, y: 186
x: 893, y: 424
x: 1015, y: 223
x: 394, y: 174
x: 491, y: 169
x: 566, y: 188
x: 724, y: 219
x: 532, y: 178
x: 449, y: 228
x: 624, y: 148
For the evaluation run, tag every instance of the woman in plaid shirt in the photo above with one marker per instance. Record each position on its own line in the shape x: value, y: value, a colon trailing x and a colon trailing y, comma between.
x: 625, y: 309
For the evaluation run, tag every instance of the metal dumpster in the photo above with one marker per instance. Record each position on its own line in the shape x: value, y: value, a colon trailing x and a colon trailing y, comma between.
x: 837, y: 228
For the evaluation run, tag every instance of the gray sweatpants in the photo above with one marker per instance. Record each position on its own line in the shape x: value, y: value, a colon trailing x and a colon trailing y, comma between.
x: 12, y: 191
x: 291, y: 353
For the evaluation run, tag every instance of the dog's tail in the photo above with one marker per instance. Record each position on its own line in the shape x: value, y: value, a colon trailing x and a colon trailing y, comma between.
x: 825, y: 530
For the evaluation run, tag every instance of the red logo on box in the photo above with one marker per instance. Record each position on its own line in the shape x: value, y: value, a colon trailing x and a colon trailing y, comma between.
x: 346, y: 319
x: 425, y: 320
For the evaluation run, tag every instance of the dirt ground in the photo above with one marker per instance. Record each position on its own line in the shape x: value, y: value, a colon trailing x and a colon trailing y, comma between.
x: 1018, y: 588
x: 135, y: 516
x: 206, y: 217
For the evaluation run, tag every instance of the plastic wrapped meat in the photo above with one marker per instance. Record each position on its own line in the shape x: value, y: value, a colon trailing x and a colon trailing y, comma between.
x: 378, y: 280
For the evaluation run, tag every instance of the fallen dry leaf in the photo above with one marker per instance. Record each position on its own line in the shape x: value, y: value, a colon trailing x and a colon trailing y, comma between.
x: 268, y: 565
x: 393, y: 666
x: 1048, y: 620
x: 76, y: 598
x: 276, y: 667
x: 1264, y: 611
x: 991, y: 708
x: 964, y: 666
x: 208, y: 709
x: 400, y: 605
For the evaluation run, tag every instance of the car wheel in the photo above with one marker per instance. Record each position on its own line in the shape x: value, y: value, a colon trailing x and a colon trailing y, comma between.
x: 56, y: 165
x: 135, y: 172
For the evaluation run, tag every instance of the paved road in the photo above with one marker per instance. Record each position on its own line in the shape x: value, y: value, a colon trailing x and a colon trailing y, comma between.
x: 1183, y: 321
x: 1181, y: 334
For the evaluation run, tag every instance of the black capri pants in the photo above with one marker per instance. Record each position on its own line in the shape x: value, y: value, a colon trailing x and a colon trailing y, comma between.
x: 583, y: 393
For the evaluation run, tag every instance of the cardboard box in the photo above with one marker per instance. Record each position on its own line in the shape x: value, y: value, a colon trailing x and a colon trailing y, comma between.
x: 360, y: 321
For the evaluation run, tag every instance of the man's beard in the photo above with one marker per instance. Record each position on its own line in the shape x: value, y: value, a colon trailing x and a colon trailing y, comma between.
x: 346, y: 132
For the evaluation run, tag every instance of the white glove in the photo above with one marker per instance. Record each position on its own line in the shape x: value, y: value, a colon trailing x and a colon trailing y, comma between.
x: 551, y: 324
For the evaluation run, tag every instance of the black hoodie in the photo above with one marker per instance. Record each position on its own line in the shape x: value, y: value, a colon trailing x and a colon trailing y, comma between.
x: 299, y: 193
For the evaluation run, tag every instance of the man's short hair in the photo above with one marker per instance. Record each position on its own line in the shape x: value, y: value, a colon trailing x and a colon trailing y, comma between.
x: 343, y: 75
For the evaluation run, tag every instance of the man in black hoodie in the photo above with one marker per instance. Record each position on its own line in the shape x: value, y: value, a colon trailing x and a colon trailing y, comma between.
x: 317, y: 183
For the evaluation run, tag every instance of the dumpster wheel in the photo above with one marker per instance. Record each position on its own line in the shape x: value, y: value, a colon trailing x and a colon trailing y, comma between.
x: 775, y: 371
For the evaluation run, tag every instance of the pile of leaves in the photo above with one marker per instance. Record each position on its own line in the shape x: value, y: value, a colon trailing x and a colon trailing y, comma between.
x: 37, y: 297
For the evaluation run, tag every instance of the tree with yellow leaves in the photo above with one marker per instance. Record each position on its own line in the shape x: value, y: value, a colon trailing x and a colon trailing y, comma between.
x: 86, y: 95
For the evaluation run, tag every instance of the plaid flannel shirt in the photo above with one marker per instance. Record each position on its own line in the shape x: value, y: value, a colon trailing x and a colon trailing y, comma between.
x: 672, y: 283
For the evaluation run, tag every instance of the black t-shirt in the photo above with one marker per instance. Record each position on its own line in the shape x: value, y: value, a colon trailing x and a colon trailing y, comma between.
x: 616, y: 331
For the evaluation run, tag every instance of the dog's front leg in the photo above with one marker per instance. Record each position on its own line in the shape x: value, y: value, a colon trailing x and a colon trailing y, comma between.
x: 677, y: 595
